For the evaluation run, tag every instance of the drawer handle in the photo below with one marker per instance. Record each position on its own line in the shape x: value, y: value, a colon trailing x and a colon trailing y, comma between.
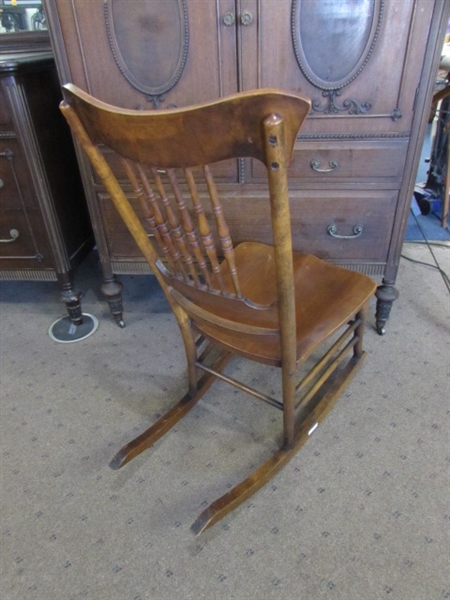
x: 14, y: 235
x: 315, y: 166
x: 7, y: 154
x: 357, y: 231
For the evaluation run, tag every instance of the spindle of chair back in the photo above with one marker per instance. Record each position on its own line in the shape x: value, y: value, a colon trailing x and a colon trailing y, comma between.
x: 188, y: 248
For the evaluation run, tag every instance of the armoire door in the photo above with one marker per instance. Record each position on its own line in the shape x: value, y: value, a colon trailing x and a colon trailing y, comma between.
x: 150, y: 54
x: 360, y: 61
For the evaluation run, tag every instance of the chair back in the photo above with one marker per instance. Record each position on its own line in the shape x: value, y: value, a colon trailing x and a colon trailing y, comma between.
x: 166, y: 156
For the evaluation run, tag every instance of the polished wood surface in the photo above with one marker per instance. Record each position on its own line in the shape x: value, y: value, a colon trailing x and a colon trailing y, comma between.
x: 355, y: 161
x: 45, y: 229
x: 262, y: 302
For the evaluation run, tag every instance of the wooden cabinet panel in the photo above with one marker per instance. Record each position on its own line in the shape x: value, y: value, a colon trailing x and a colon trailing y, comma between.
x: 368, y: 65
x: 344, y: 225
x: 44, y: 224
x: 23, y: 241
x: 351, y: 164
x: 5, y: 117
x: 382, y: 89
x: 209, y: 70
x: 16, y: 187
x: 339, y: 225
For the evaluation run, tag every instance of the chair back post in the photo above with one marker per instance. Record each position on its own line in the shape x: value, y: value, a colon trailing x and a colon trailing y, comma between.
x: 136, y: 229
x: 277, y: 156
x: 115, y: 191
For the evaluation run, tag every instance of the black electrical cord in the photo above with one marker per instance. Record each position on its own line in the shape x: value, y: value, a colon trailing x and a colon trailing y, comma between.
x: 444, y: 275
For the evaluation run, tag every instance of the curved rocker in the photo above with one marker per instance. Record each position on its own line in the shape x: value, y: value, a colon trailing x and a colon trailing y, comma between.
x: 241, y: 492
x: 151, y: 435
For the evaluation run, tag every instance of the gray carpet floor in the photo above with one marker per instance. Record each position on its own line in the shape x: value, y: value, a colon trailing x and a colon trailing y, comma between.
x: 361, y: 512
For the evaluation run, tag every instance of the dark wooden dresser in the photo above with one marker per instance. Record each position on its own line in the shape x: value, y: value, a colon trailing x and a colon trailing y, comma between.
x: 369, y: 67
x: 44, y: 223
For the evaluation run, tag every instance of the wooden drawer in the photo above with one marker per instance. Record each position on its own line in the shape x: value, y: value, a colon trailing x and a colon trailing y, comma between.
x: 356, y: 164
x: 23, y: 240
x: 13, y: 169
x: 344, y: 225
x: 338, y: 225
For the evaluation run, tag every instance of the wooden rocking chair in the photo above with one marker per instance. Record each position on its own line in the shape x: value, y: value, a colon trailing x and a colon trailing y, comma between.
x: 261, y: 302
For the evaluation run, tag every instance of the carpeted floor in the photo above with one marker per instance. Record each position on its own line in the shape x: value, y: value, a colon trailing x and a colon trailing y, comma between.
x: 426, y: 227
x: 361, y: 513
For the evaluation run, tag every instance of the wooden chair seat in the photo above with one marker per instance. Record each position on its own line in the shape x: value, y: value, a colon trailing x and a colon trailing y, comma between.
x: 325, y: 299
x: 261, y: 302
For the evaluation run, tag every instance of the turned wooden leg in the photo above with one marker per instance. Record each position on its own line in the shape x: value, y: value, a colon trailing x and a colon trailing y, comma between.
x: 71, y: 298
x: 112, y: 290
x: 386, y: 294
x: 77, y: 325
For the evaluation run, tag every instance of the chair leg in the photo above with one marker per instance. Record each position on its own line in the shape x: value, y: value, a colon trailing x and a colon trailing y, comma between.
x: 189, y: 345
x: 359, y: 331
x: 288, y: 383
x: 324, y: 402
x: 446, y: 198
x: 169, y: 420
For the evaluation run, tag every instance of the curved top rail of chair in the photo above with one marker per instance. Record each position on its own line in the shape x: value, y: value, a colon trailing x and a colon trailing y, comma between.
x: 179, y: 128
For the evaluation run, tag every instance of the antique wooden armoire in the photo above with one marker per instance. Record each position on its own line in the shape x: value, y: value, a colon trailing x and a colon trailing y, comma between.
x: 369, y: 67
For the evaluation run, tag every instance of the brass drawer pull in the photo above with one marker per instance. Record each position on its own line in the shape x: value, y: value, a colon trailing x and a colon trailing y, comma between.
x: 14, y: 235
x: 315, y: 166
x: 357, y: 231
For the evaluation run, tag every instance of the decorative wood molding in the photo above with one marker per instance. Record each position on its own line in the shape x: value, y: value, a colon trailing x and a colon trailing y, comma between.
x: 364, y: 39
x: 371, y: 269
x: 242, y: 170
x: 331, y: 107
x: 132, y: 53
x: 27, y: 275
x: 25, y: 41
x: 347, y: 136
x: 130, y: 267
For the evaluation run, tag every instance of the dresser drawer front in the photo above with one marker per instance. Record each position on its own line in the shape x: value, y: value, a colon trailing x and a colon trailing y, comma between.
x: 23, y: 240
x: 344, y: 225
x: 15, y: 181
x: 378, y: 164
x: 338, y: 225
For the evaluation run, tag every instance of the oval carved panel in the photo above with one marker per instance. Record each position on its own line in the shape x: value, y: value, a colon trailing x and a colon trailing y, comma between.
x: 149, y: 40
x: 333, y: 39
